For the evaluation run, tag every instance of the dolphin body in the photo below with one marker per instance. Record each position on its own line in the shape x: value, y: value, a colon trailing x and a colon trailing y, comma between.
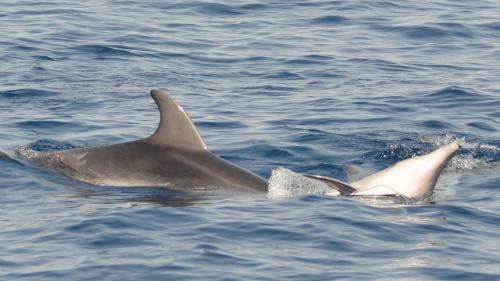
x: 412, y: 178
x: 175, y: 156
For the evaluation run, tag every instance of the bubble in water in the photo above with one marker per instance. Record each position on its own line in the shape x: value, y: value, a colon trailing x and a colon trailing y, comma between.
x: 284, y: 183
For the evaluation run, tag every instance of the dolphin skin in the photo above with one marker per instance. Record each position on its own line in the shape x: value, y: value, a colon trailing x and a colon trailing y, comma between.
x: 175, y: 156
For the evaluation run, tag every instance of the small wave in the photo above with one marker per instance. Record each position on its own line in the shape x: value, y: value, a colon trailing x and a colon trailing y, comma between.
x: 22, y: 48
x: 44, y: 58
x: 452, y: 98
x: 47, y: 12
x: 483, y: 126
x: 302, y: 61
x: 44, y: 124
x: 495, y: 26
x: 436, y: 124
x: 226, y: 125
x: 388, y: 5
x: 105, y: 51
x: 386, y: 65
x: 454, y: 93
x: 216, y: 9
x: 284, y: 183
x: 27, y: 93
x: 284, y: 75
x: 431, y: 31
x: 329, y: 20
x: 270, y: 151
x: 254, y: 7
x: 223, y: 59
x: 207, y: 8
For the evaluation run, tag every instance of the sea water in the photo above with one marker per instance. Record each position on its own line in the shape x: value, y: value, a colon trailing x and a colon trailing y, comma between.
x: 337, y: 88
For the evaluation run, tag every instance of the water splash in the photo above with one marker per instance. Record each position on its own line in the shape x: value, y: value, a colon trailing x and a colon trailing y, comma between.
x: 32, y: 150
x: 284, y: 183
x: 471, y: 155
x: 25, y: 151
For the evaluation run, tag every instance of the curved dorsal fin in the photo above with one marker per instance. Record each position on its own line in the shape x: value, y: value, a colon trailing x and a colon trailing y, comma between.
x: 175, y: 128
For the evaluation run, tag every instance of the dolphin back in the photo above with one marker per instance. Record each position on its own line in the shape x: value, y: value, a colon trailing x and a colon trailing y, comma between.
x: 175, y: 157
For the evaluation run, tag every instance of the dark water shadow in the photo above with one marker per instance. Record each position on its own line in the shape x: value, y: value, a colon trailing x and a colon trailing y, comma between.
x: 160, y: 196
x: 138, y: 195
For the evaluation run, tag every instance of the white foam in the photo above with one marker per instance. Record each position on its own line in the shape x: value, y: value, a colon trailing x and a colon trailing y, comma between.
x: 27, y: 152
x: 284, y: 183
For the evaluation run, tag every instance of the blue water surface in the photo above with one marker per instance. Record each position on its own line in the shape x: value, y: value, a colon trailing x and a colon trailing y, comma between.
x: 339, y: 88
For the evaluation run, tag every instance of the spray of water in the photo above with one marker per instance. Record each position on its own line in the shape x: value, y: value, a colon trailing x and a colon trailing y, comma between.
x: 471, y: 155
x: 284, y: 183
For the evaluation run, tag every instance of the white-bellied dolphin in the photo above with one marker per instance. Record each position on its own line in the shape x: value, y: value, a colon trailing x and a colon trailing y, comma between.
x: 175, y: 157
x: 411, y: 178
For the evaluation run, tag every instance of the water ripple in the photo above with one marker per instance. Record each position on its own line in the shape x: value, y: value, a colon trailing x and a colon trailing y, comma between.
x: 340, y: 88
x: 27, y: 94
x: 330, y: 20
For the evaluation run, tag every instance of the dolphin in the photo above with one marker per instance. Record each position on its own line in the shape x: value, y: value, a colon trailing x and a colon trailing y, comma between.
x: 412, y: 178
x: 174, y: 156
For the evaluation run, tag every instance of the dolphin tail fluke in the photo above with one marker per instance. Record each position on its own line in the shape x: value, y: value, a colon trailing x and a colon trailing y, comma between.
x: 412, y: 178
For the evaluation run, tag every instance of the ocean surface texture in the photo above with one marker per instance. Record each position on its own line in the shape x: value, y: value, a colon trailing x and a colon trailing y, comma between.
x: 339, y: 88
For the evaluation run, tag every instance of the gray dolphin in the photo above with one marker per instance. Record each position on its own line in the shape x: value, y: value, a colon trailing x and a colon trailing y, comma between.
x: 175, y: 156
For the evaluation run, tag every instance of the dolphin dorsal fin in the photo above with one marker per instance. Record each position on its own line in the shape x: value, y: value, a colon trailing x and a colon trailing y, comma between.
x: 175, y: 128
